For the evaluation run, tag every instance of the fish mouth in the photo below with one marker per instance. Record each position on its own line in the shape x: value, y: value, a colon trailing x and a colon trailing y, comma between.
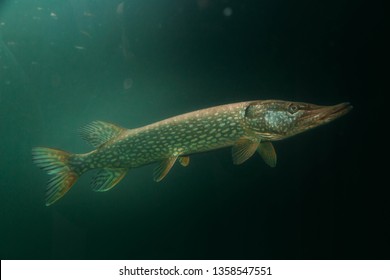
x: 319, y: 115
x: 330, y: 113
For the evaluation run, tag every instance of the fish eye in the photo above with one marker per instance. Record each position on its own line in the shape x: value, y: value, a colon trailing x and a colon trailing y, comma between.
x: 293, y: 108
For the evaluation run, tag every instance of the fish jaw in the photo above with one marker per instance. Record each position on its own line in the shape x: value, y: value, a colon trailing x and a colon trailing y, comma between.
x: 320, y: 115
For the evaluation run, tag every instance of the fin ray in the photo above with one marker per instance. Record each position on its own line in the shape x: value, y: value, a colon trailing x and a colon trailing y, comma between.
x: 97, y: 132
x: 163, y: 168
x: 55, y: 162
x: 107, y: 178
x: 184, y: 160
x: 267, y: 151
x: 243, y: 149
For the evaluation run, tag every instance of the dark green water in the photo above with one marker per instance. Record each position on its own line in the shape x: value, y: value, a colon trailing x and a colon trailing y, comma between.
x: 64, y: 63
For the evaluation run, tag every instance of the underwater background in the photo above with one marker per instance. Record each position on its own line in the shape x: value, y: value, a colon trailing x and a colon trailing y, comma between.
x: 65, y: 63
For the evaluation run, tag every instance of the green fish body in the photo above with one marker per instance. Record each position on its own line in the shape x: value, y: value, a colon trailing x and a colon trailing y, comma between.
x: 246, y: 126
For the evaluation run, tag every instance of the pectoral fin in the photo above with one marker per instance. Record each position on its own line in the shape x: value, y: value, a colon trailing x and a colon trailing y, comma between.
x: 163, y: 168
x: 107, y: 178
x: 243, y: 149
x: 267, y: 152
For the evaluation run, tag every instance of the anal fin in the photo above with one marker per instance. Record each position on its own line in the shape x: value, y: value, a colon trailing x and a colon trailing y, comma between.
x: 107, y: 178
x: 243, y: 149
x: 163, y: 168
x: 267, y: 152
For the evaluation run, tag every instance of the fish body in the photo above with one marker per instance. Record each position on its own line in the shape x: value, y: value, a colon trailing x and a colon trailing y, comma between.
x: 246, y: 126
x: 195, y: 132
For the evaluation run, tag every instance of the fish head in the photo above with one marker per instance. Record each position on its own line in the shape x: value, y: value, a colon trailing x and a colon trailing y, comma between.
x: 277, y: 119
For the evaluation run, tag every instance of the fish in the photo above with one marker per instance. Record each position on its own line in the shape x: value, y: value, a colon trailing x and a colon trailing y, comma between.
x: 248, y: 127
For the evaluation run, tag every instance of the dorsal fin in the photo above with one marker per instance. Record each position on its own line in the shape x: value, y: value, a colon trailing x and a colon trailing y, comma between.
x: 97, y: 133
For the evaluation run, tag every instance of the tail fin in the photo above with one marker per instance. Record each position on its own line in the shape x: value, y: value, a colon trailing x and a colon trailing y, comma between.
x: 55, y: 162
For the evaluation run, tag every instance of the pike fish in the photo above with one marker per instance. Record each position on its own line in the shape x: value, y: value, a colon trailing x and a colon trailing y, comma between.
x: 247, y: 127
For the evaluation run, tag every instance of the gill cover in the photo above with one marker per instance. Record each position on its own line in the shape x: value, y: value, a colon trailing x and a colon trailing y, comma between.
x: 272, y: 119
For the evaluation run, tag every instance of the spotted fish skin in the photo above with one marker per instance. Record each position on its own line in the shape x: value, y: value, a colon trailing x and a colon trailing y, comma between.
x: 246, y: 126
x: 195, y: 132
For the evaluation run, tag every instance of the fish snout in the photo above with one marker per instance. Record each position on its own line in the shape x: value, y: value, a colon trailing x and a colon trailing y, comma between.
x: 330, y: 113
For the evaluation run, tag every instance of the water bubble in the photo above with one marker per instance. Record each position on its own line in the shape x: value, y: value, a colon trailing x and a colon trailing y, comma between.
x: 120, y: 8
x: 227, y: 12
x: 53, y: 15
x: 127, y: 83
x: 80, y: 48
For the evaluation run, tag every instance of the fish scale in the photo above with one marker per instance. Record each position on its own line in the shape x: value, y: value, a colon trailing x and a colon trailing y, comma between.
x: 246, y: 126
x: 182, y: 135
